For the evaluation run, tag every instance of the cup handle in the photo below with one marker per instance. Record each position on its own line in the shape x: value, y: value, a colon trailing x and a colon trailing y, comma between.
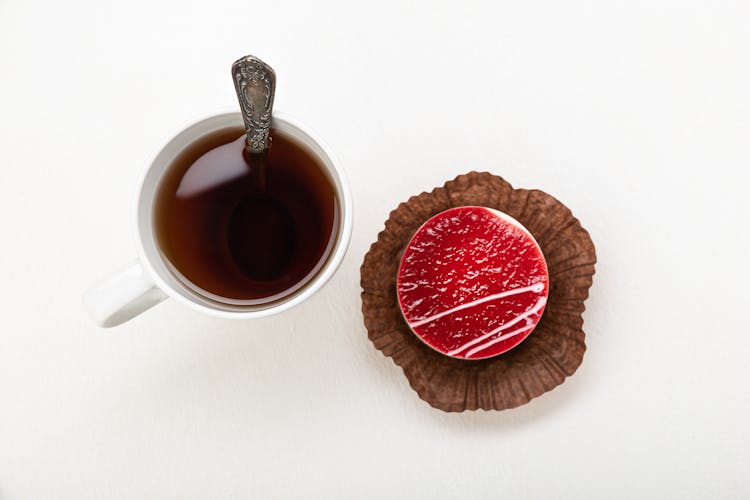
x: 124, y: 294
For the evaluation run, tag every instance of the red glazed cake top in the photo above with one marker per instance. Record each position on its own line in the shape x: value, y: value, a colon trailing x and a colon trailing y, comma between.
x: 472, y: 282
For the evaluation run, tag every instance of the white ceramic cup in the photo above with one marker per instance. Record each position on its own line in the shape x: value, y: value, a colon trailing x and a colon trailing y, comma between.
x: 148, y: 280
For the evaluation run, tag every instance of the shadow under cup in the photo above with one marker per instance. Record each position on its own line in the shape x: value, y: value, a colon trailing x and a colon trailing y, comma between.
x: 179, y: 280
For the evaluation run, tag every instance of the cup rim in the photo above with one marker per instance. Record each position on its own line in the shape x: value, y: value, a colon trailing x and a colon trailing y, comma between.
x: 334, y: 260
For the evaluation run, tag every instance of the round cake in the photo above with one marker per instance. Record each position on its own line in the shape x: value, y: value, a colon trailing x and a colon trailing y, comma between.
x: 472, y: 283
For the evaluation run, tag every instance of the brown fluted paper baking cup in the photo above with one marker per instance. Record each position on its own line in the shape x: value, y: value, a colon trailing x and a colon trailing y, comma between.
x: 540, y: 363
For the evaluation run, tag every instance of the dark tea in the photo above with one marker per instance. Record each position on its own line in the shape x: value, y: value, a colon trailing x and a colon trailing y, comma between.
x: 242, y: 231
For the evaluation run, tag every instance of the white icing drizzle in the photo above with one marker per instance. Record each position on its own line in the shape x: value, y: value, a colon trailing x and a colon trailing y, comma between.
x: 530, y: 312
x: 499, y: 339
x: 536, y: 287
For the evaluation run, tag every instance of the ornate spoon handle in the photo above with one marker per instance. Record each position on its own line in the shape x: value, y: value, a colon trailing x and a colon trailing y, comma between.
x: 255, y: 83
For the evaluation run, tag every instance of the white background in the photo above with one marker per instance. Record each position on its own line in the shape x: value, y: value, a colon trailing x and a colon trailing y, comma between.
x: 634, y: 113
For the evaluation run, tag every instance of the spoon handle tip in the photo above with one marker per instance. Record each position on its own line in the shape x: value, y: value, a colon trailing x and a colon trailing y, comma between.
x: 255, y: 84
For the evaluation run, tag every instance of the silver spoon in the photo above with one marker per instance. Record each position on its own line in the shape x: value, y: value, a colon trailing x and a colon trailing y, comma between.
x: 255, y: 84
x: 261, y: 229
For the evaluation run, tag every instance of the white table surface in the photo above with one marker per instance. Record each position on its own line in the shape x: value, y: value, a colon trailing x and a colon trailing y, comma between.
x: 635, y: 114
